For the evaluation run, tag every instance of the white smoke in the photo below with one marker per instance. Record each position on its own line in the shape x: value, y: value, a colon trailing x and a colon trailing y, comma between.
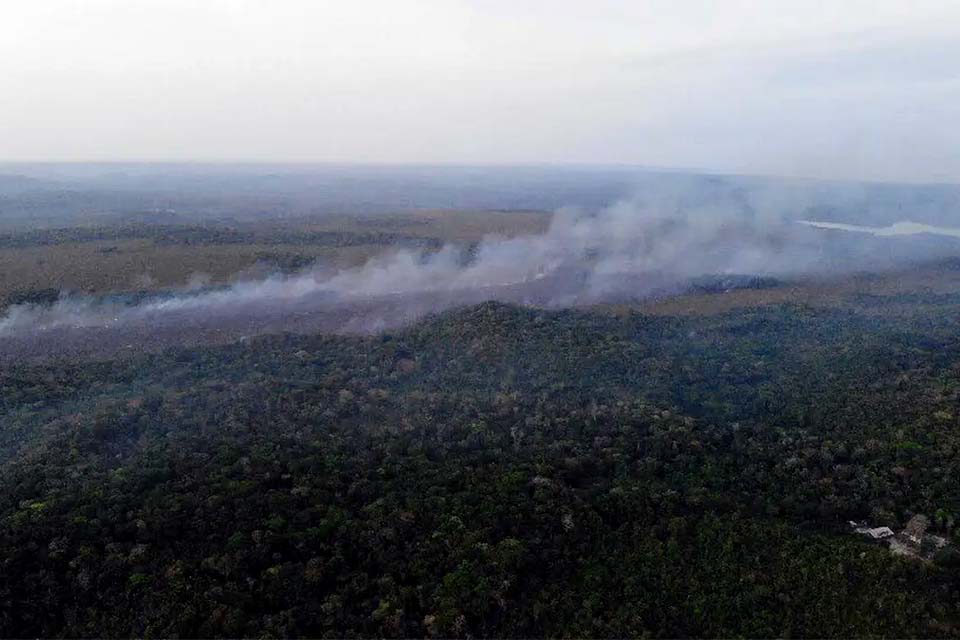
x: 627, y: 249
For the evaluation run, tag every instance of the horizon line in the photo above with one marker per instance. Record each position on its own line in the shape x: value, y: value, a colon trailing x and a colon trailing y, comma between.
x: 621, y: 166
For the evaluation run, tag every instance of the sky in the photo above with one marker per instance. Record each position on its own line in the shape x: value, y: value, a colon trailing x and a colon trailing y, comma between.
x: 847, y: 90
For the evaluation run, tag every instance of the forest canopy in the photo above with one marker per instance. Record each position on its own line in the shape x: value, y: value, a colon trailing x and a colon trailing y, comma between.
x: 494, y: 471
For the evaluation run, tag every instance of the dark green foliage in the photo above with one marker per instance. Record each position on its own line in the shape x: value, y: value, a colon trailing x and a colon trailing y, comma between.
x: 496, y: 471
x: 286, y: 262
x: 31, y: 296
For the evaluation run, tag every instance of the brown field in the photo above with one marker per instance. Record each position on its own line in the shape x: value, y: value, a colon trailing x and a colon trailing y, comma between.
x: 142, y: 264
x: 100, y: 267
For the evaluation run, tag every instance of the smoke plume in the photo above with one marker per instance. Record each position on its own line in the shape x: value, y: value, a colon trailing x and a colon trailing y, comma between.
x: 635, y: 248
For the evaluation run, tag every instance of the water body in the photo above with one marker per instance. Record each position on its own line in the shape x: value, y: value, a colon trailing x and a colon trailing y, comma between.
x: 905, y: 228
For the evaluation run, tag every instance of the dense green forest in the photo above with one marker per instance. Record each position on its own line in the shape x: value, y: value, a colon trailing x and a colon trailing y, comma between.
x: 494, y: 471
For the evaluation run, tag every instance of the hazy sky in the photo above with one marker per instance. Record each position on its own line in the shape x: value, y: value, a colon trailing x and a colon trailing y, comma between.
x: 843, y: 88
